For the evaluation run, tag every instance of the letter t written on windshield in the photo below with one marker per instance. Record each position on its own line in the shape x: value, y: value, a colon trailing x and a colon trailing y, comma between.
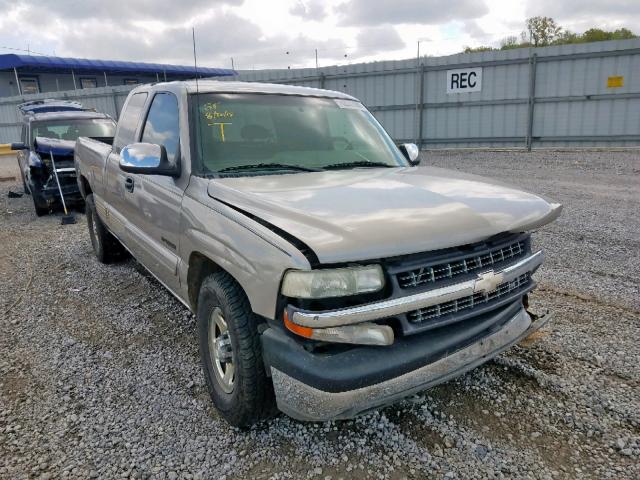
x: 215, y: 116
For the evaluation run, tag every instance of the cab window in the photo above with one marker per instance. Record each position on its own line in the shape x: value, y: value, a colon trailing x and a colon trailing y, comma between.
x: 129, y: 121
x: 163, y: 126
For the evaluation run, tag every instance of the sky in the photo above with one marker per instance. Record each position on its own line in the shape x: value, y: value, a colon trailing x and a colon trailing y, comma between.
x: 260, y: 34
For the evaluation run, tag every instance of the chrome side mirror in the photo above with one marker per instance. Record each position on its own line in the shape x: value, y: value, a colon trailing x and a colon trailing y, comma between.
x: 19, y: 146
x: 411, y: 153
x: 147, y: 158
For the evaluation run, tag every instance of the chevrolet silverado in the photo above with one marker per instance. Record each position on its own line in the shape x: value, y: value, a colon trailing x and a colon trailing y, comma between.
x: 329, y: 274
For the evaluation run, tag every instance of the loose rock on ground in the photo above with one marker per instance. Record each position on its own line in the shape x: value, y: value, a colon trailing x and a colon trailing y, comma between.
x: 100, y: 377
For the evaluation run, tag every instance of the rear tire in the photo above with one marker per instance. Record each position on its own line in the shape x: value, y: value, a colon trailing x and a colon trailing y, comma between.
x: 229, y: 339
x: 106, y: 247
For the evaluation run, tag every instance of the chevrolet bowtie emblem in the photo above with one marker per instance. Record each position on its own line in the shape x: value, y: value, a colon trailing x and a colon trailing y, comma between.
x: 488, y: 282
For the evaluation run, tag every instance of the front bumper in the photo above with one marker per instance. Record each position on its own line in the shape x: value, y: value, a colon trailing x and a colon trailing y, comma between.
x: 314, y: 387
x: 52, y: 194
x: 344, y: 325
x: 68, y: 184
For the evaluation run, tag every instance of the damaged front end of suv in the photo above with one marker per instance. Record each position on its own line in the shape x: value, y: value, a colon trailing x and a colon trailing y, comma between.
x: 48, y: 158
x: 46, y: 150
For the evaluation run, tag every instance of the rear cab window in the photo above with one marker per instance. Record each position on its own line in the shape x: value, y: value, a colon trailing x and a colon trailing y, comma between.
x: 129, y: 120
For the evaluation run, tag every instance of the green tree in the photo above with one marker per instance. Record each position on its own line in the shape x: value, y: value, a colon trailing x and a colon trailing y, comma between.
x: 477, y: 49
x: 543, y: 30
x: 599, y: 35
x: 623, y: 34
x: 593, y: 35
x: 567, y: 37
x: 510, y: 42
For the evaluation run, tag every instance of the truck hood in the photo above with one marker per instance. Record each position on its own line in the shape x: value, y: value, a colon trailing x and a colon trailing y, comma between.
x: 60, y: 148
x: 366, y: 214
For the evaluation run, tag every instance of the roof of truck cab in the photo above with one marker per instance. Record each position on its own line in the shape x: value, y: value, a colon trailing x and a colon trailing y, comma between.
x: 70, y: 114
x: 214, y: 86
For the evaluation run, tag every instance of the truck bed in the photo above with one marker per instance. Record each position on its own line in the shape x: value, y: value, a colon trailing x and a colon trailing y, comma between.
x: 89, y: 159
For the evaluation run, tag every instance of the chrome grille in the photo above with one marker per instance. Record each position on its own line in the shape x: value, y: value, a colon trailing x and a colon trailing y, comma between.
x: 447, y: 270
x: 480, y: 298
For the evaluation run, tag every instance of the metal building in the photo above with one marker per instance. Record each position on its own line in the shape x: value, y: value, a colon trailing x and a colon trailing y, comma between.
x: 30, y: 74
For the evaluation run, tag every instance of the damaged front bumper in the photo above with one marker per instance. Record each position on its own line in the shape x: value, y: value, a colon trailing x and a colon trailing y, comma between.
x: 356, y: 324
x: 48, y: 189
x: 317, y: 387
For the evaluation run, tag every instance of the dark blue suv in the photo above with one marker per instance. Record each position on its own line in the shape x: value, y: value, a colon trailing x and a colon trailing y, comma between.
x: 49, y: 132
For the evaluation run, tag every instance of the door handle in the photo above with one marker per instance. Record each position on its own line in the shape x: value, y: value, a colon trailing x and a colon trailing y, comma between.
x: 128, y: 184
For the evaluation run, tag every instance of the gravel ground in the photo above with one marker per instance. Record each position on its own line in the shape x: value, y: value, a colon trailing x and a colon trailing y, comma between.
x: 99, y: 373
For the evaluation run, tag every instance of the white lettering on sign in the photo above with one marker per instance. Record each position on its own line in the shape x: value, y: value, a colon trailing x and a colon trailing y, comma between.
x: 464, y: 80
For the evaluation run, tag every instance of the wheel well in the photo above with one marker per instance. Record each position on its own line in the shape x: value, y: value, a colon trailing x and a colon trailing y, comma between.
x: 200, y: 267
x: 85, y: 187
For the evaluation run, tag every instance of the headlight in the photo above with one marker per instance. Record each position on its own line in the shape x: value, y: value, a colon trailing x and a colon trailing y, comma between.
x: 337, y: 282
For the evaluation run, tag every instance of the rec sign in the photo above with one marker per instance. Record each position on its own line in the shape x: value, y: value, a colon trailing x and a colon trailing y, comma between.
x: 464, y: 80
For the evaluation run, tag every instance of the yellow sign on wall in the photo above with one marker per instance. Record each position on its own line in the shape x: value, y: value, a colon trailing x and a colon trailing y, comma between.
x: 615, y: 82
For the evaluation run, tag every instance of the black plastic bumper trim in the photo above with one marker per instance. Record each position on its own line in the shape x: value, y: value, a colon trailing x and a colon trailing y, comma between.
x: 362, y: 366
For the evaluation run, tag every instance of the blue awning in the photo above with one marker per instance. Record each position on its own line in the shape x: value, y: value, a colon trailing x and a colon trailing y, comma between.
x: 61, y: 64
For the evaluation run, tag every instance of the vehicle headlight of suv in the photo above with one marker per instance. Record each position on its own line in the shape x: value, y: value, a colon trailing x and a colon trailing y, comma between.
x: 335, y: 282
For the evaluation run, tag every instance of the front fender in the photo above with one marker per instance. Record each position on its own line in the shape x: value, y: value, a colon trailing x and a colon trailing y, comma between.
x: 253, y: 255
x: 34, y: 160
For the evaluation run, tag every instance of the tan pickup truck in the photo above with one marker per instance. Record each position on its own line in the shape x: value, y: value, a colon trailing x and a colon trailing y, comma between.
x: 329, y: 274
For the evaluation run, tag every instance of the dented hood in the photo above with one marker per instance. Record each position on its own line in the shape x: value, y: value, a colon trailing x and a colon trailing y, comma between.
x: 57, y: 147
x: 365, y: 214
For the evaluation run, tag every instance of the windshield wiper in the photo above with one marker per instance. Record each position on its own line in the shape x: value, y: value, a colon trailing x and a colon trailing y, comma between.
x: 359, y: 163
x: 267, y: 166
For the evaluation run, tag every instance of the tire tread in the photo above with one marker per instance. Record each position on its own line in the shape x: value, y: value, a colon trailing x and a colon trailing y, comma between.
x: 255, y: 400
x: 112, y: 249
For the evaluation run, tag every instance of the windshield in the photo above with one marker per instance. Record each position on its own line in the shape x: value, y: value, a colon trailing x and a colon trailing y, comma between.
x: 252, y: 132
x: 73, y: 128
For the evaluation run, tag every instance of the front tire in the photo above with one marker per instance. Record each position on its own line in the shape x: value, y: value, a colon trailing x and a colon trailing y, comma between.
x: 106, y: 247
x: 40, y: 205
x: 231, y: 353
x: 24, y: 182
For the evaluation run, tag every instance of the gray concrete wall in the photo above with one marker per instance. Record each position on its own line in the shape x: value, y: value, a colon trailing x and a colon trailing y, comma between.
x: 9, y: 170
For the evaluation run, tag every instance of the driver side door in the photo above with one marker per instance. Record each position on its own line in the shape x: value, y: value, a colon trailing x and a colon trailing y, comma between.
x: 152, y: 202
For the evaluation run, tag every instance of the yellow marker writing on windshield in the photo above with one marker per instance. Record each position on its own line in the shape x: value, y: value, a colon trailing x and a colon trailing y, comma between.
x: 222, y: 124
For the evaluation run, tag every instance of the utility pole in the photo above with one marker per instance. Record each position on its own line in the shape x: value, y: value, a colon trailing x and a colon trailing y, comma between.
x: 15, y: 72
x: 418, y: 85
x: 532, y: 93
x: 316, y: 58
x: 232, y: 67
